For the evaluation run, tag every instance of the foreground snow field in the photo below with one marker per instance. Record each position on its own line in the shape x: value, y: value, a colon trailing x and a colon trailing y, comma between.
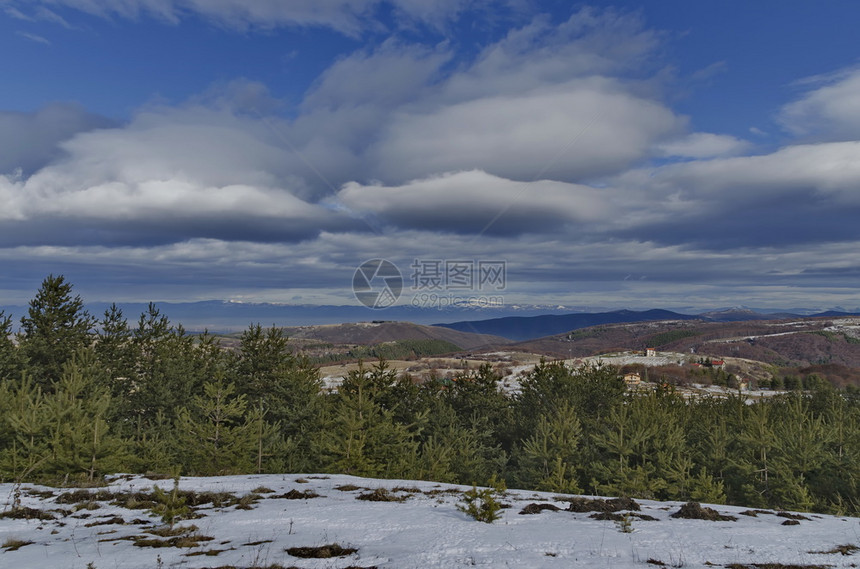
x: 423, y: 530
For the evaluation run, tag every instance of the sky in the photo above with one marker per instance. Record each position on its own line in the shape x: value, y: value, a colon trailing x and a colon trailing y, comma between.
x: 612, y: 155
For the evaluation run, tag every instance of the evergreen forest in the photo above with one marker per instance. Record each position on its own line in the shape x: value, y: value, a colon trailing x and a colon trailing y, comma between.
x: 82, y: 397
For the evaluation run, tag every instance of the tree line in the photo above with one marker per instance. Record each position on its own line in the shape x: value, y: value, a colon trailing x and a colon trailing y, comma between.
x: 82, y: 397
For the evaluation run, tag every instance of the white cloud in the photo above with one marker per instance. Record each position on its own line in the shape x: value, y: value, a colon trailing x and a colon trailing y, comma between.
x: 35, y: 38
x: 393, y: 74
x: 541, y: 102
x: 164, y: 9
x: 238, y: 96
x: 469, y: 201
x: 573, y: 131
x: 160, y: 199
x: 590, y: 43
x: 153, y: 206
x: 352, y: 101
x: 46, y: 15
x: 826, y: 169
x: 209, y: 146
x: 347, y: 16
x: 170, y: 172
x: 17, y: 14
x: 704, y: 145
x: 448, y: 145
x: 797, y: 195
x: 831, y: 111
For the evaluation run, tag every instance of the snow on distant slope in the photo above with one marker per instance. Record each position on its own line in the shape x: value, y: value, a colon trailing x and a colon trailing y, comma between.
x: 425, y: 530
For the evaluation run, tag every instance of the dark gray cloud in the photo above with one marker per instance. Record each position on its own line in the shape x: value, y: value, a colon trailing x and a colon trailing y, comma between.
x: 31, y: 141
x: 796, y: 195
x: 475, y: 203
x: 798, y: 218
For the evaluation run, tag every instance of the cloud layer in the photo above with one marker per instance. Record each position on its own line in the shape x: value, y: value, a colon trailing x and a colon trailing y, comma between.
x: 553, y: 146
x: 347, y: 16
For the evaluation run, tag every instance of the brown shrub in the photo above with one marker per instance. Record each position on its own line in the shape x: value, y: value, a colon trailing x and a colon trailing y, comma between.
x: 695, y: 511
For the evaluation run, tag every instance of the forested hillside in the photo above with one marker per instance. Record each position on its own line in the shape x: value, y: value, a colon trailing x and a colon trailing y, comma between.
x: 82, y: 397
x: 799, y: 342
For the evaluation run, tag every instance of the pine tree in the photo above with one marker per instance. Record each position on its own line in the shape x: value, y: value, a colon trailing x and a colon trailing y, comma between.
x: 215, y: 434
x: 800, y: 453
x: 170, y: 505
x: 155, y: 449
x: 55, y: 328
x: 598, y: 390
x: 434, y: 460
x: 82, y: 443
x: 836, y: 483
x: 115, y: 351
x: 709, y: 437
x: 549, y: 457
x: 477, y: 401
x: 642, y: 450
x: 24, y: 429
x: 705, y: 488
x: 476, y: 457
x: 542, y: 391
x: 167, y: 370
x: 284, y: 387
x: 360, y: 436
x: 753, y: 456
x: 10, y: 356
x: 63, y: 431
x: 262, y: 357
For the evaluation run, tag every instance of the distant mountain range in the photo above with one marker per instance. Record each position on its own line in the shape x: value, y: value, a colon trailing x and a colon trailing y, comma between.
x: 229, y: 316
x: 521, y: 328
x: 514, y: 321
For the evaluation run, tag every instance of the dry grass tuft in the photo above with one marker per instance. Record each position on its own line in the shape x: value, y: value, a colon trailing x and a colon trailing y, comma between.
x: 13, y: 544
x: 321, y: 552
x: 381, y: 495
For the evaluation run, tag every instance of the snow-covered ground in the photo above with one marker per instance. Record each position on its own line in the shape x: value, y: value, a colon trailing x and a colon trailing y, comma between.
x: 425, y: 530
x: 752, y: 395
x: 629, y: 358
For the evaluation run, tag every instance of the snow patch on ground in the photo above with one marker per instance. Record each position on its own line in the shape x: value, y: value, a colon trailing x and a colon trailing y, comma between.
x: 425, y: 530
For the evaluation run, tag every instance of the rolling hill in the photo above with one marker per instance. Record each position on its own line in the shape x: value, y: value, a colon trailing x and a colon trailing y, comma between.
x: 796, y: 342
x: 370, y: 333
x: 521, y: 328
